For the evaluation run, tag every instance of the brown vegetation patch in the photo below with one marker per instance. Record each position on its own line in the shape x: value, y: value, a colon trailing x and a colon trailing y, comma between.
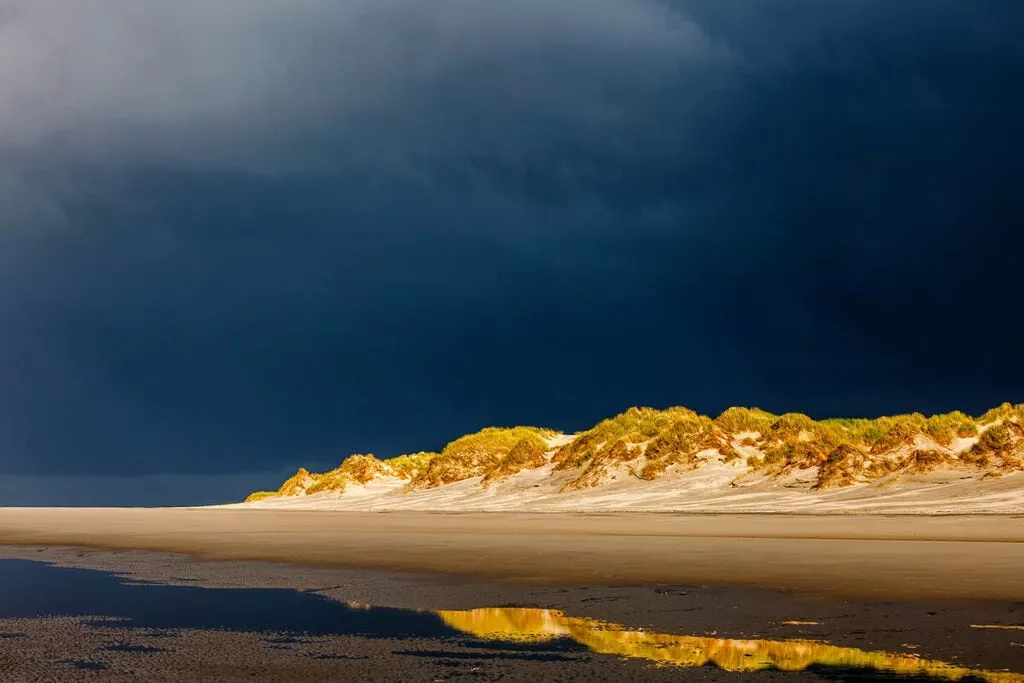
x: 944, y: 428
x: 736, y: 420
x: 796, y: 455
x: 1007, y: 412
x: 842, y: 467
x: 297, y: 484
x: 666, y: 437
x: 364, y: 468
x: 680, y: 446
x: 1001, y: 445
x: 333, y: 481
x: 260, y: 495
x: 476, y: 454
x: 411, y: 465
x: 921, y: 461
x: 526, y: 454
x: 998, y: 439
x: 598, y: 468
x: 900, y: 434
x: 635, y: 426
x: 790, y: 426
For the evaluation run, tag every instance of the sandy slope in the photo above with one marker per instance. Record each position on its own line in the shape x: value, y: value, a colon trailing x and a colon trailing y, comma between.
x: 718, y: 488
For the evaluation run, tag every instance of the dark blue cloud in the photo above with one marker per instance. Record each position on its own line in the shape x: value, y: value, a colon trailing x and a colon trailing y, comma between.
x: 377, y: 229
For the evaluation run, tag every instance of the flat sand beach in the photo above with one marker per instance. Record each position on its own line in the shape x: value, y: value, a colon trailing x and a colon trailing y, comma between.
x: 897, y: 557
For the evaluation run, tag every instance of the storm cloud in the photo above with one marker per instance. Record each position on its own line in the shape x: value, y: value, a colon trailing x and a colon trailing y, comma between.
x: 241, y: 236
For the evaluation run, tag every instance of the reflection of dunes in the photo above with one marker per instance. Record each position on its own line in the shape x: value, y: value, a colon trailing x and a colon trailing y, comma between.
x: 1000, y: 627
x: 538, y: 625
x: 512, y: 623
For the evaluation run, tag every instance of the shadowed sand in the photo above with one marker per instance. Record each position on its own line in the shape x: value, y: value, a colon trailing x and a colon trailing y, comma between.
x: 966, y: 557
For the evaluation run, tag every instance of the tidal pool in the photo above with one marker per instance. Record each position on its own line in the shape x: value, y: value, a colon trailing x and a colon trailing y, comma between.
x: 137, y: 619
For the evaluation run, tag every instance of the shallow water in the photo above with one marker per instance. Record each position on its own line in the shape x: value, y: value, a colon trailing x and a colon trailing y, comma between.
x: 292, y: 620
x: 32, y: 589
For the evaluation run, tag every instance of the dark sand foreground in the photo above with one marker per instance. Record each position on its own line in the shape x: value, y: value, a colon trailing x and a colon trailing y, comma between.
x: 165, y: 617
x: 906, y: 557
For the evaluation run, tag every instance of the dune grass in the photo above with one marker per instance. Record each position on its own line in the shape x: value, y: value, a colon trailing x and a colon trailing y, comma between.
x: 411, y: 465
x: 333, y: 481
x: 646, y: 442
x: 635, y: 426
x: 260, y: 495
x: 297, y: 484
x: 1005, y: 412
x: 738, y: 420
x: 664, y: 438
x: 476, y: 454
x: 527, y: 453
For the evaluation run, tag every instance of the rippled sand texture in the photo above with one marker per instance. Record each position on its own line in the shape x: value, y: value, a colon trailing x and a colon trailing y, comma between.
x: 538, y: 625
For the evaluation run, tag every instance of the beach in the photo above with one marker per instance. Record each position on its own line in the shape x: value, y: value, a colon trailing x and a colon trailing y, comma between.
x: 875, y: 556
x: 125, y: 615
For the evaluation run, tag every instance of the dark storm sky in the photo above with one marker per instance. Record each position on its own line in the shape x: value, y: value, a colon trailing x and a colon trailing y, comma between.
x: 237, y: 236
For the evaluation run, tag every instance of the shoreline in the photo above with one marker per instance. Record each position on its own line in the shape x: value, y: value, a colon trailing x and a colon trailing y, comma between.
x: 617, y: 632
x: 901, y: 558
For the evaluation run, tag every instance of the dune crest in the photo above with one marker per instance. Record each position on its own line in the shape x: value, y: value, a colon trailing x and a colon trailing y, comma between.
x: 676, y: 459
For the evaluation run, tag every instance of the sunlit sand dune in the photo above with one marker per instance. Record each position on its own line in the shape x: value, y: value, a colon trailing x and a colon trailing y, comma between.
x: 745, y: 460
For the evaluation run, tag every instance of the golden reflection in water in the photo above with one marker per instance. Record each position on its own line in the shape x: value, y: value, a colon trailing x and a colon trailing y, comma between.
x: 540, y: 625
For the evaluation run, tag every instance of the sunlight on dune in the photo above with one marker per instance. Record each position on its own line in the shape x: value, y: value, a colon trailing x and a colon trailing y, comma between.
x: 539, y: 625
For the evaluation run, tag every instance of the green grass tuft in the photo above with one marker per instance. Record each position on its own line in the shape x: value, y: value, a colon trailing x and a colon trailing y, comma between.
x: 260, y: 495
x: 736, y: 420
x: 527, y: 453
x: 411, y: 465
x: 476, y: 454
x: 635, y: 426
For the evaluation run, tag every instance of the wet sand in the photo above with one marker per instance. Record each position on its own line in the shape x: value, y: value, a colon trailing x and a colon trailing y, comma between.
x: 900, y: 557
x: 377, y: 625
